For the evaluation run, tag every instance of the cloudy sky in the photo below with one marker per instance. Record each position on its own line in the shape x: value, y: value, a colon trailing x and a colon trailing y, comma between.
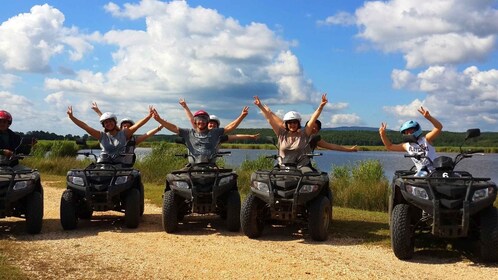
x: 378, y: 61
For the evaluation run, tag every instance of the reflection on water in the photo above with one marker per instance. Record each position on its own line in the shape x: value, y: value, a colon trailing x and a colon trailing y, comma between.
x: 479, y: 165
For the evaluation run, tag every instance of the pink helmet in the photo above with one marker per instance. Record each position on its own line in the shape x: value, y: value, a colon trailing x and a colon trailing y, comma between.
x: 4, y: 115
x: 201, y: 113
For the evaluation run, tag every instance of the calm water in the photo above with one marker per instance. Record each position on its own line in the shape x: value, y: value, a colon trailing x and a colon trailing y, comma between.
x: 479, y: 165
x: 485, y: 165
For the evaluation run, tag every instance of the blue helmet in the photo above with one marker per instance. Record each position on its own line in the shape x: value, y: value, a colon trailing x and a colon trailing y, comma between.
x: 411, y: 124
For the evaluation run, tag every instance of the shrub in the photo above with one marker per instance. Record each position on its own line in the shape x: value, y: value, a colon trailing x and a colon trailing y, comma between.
x: 362, y: 186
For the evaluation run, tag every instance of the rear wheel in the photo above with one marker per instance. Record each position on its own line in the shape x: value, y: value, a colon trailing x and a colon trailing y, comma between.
x: 132, y: 208
x: 251, y: 216
x: 233, y: 211
x: 170, y: 212
x: 68, y: 210
x: 402, y: 232
x: 34, y: 212
x: 319, y: 218
x: 488, y: 241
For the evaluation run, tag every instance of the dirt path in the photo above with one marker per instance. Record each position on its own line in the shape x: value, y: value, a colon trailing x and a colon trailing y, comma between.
x: 104, y: 249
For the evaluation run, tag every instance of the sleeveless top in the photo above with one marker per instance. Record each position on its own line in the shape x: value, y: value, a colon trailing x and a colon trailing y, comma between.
x: 292, y: 149
x: 112, y: 146
x: 422, y: 147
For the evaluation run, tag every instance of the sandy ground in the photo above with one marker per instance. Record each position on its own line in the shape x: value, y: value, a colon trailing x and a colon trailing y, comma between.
x: 203, y: 249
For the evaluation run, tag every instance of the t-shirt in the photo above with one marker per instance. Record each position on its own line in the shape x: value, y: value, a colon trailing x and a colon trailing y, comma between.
x: 203, y: 144
x: 422, y: 147
x: 112, y: 146
x: 292, y: 148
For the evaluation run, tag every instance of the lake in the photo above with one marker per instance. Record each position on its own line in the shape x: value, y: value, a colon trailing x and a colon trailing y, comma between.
x: 484, y: 165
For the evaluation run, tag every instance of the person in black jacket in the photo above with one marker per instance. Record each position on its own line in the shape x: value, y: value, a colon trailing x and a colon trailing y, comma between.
x: 9, y: 140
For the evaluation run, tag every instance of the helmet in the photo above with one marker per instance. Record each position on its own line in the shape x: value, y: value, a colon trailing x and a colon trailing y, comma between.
x: 4, y: 115
x: 214, y: 119
x: 292, y: 115
x: 126, y: 120
x: 201, y: 113
x: 411, y: 124
x: 106, y: 116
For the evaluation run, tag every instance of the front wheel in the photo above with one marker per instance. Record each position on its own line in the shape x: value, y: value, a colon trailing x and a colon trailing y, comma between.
x: 132, y: 208
x: 251, y: 216
x: 319, y: 218
x: 69, y: 220
x: 34, y: 212
x: 402, y: 232
x: 170, y: 212
x: 488, y: 240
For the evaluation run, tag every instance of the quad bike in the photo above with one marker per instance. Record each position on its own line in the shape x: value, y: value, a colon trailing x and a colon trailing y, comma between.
x: 202, y: 188
x: 447, y: 204
x: 106, y: 184
x: 21, y: 192
x: 286, y: 195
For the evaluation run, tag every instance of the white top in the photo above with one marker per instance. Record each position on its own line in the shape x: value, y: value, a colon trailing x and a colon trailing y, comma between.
x: 422, y: 147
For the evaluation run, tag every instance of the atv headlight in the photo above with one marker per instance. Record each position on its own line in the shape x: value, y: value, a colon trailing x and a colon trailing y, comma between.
x: 225, y: 180
x: 309, y: 188
x: 482, y: 194
x: 181, y: 184
x: 417, y: 191
x: 260, y: 186
x: 76, y: 180
x: 20, y: 185
x: 121, y: 180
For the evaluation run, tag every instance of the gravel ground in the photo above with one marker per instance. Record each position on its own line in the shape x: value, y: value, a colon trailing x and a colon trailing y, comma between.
x: 104, y: 249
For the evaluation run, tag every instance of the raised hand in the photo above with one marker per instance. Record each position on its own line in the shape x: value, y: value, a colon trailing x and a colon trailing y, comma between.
x: 245, y: 111
x: 95, y: 107
x: 70, y: 111
x: 183, y: 103
x: 382, y: 129
x: 424, y: 112
x: 257, y: 102
x: 324, y: 100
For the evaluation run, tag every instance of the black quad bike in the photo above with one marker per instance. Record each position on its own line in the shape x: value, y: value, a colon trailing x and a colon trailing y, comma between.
x: 201, y: 188
x: 286, y: 195
x: 447, y: 204
x: 104, y: 185
x: 21, y: 192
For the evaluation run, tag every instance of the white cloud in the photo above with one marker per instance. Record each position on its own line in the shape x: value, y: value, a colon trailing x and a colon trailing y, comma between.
x: 431, y: 32
x: 344, y: 120
x: 194, y: 52
x: 459, y: 99
x: 58, y: 100
x: 30, y: 40
x: 8, y: 80
x: 341, y: 18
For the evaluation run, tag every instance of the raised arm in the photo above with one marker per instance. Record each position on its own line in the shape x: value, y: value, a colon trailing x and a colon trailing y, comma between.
x: 234, y: 124
x: 316, y: 115
x: 243, y: 137
x: 387, y: 143
x: 329, y: 146
x: 96, y: 108
x: 169, y: 126
x: 92, y: 131
x: 438, y: 127
x: 273, y: 120
x: 130, y: 131
x: 149, y: 133
x: 189, y: 114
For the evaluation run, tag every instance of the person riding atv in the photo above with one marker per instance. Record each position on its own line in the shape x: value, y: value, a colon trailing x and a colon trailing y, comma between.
x: 21, y: 192
x: 446, y: 203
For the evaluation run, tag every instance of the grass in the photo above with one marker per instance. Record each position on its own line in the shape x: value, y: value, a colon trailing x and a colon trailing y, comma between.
x: 7, y: 270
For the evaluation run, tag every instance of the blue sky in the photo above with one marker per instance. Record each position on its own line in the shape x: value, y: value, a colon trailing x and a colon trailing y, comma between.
x: 378, y: 61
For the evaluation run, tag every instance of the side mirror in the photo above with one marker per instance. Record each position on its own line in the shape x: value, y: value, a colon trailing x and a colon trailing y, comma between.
x: 25, y: 145
x: 314, y: 141
x: 473, y: 132
x: 270, y: 139
x: 223, y: 138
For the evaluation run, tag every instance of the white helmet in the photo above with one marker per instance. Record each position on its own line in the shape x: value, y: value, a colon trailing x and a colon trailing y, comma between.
x: 214, y: 119
x: 106, y: 116
x: 292, y: 115
x: 126, y: 120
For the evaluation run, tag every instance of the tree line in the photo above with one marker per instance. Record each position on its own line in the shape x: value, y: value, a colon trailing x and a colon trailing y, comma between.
x: 340, y: 137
